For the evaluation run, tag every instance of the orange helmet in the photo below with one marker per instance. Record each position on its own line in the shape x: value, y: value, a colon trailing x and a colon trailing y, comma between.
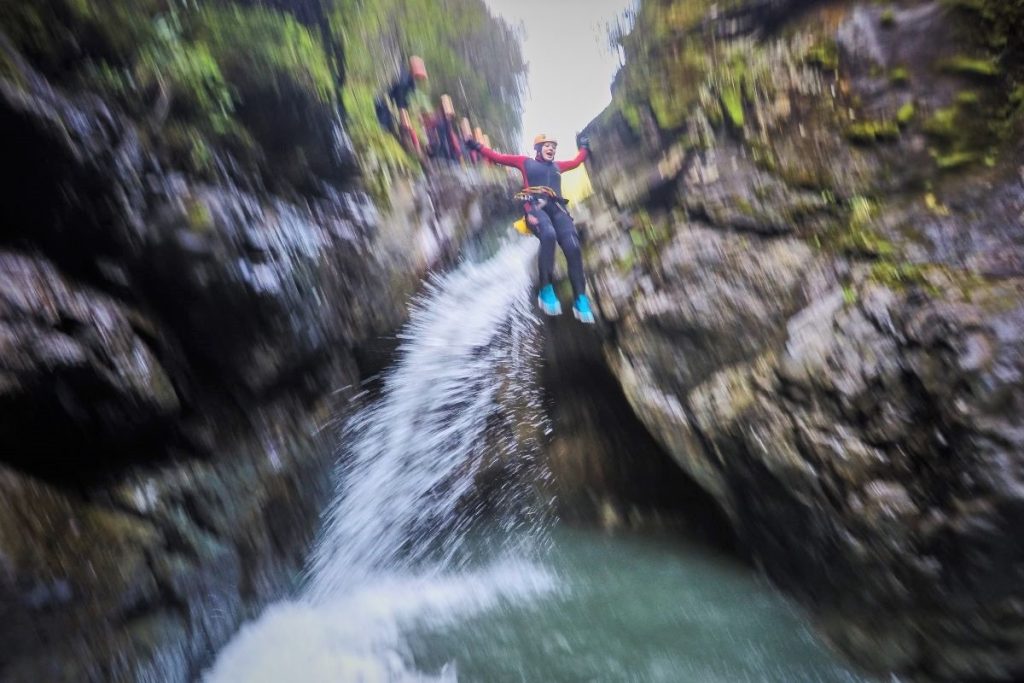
x: 541, y: 139
x: 418, y: 68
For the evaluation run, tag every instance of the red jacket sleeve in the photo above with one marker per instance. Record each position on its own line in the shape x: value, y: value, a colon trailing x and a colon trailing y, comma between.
x: 574, y: 162
x: 513, y: 160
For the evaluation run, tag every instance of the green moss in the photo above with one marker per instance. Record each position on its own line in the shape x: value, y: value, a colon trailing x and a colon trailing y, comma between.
x: 732, y: 103
x: 899, y: 76
x: 856, y: 236
x: 648, y: 236
x: 955, y: 160
x: 905, y: 115
x: 898, y: 275
x: 978, y: 67
x: 968, y: 99
x: 887, y: 18
x: 189, y: 71
x: 198, y: 216
x: 259, y: 48
x: 824, y: 55
x: 870, y: 132
x: 862, y: 212
x: 849, y: 295
x: 942, y: 124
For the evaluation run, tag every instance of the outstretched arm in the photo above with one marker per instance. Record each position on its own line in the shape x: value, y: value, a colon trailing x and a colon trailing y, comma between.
x: 513, y: 160
x: 574, y: 162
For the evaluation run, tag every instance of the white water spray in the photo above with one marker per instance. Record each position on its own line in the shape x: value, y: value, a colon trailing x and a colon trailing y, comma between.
x: 385, y: 556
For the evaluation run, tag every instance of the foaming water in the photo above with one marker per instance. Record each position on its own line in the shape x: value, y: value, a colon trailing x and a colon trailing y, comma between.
x: 411, y: 457
x: 358, y: 635
x: 410, y: 583
x: 387, y: 554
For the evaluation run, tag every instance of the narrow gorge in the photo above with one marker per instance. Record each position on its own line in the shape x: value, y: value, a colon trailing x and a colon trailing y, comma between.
x: 790, y: 448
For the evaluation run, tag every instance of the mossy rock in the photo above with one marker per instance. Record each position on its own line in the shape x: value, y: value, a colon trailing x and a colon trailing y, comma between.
x: 897, y: 275
x: 265, y: 51
x: 871, y: 132
x: 956, y: 160
x: 984, y: 68
x: 906, y: 114
x: 942, y: 124
x: 899, y: 76
x: 732, y: 104
x: 824, y: 55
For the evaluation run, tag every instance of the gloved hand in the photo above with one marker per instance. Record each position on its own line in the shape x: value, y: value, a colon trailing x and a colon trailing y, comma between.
x: 473, y: 144
x: 583, y: 142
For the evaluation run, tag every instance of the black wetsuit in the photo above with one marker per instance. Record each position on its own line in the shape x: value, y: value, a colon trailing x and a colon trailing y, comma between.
x: 554, y: 224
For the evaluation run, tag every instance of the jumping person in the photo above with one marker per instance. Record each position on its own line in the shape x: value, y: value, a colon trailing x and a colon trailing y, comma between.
x: 548, y: 218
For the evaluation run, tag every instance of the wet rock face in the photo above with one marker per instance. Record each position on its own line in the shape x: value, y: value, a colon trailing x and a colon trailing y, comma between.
x: 77, y: 189
x: 72, y: 356
x: 808, y: 255
x: 173, y: 353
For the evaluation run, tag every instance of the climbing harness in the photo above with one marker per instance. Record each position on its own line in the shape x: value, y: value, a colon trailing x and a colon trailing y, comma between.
x: 537, y: 197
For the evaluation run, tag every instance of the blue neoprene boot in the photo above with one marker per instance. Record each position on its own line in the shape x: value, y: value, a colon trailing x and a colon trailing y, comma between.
x: 581, y: 309
x: 548, y: 302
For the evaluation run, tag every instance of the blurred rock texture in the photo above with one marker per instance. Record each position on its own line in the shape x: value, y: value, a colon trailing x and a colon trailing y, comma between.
x: 189, y: 293
x: 808, y: 248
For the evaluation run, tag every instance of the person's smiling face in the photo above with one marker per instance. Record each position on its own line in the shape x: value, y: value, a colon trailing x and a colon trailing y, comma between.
x: 547, y: 151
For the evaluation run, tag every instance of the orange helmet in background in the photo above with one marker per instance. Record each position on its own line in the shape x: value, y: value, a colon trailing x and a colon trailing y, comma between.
x: 541, y: 139
x: 417, y: 68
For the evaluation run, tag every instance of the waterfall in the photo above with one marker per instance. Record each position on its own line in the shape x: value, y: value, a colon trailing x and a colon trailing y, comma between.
x: 389, y: 548
x: 410, y: 458
x: 428, y: 569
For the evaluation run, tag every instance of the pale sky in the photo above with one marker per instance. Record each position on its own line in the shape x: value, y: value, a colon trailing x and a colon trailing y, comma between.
x: 570, y: 64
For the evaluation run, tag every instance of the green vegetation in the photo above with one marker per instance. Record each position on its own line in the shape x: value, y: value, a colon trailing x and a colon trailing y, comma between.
x: 954, y: 160
x: 261, y: 80
x: 899, y: 275
x: 870, y: 132
x: 856, y: 236
x: 942, y: 124
x: 732, y: 103
x: 899, y: 76
x: 260, y: 49
x: 824, y: 55
x: 887, y: 18
x: 905, y: 115
x: 849, y: 295
x: 971, y: 66
x: 647, y: 236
